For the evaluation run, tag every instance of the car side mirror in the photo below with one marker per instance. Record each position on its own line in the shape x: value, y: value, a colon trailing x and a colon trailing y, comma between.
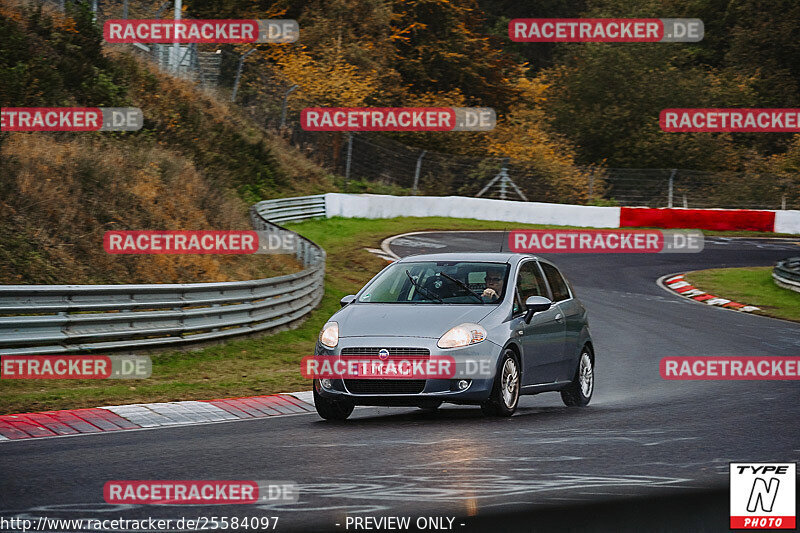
x: 347, y: 299
x: 536, y: 304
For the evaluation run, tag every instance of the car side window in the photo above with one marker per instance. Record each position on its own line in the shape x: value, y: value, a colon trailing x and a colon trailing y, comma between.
x: 557, y: 283
x: 518, y: 305
x: 529, y: 283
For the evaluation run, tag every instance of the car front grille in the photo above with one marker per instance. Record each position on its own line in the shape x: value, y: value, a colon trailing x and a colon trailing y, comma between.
x: 385, y: 386
x: 372, y: 351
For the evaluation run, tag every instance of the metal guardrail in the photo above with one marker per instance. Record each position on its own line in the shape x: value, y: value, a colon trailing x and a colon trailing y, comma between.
x: 292, y: 209
x: 786, y: 273
x: 49, y: 319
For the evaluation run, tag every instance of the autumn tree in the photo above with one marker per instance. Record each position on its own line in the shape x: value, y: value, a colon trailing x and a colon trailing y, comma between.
x: 546, y: 161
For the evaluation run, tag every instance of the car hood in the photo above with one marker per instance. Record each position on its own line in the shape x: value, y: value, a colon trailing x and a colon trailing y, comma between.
x: 406, y: 320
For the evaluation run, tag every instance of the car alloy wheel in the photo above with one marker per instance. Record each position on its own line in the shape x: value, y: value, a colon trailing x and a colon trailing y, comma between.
x: 586, y: 375
x: 579, y: 392
x: 505, y: 392
x: 510, y: 383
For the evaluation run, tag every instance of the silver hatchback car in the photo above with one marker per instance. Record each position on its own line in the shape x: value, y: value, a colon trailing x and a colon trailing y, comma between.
x: 516, y: 310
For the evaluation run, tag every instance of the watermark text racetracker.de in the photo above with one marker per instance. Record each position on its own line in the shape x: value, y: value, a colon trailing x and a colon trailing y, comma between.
x: 605, y: 241
x: 396, y: 367
x: 398, y: 119
x: 71, y: 119
x: 75, y: 367
x: 127, y: 494
x: 730, y: 120
x: 201, y: 31
x: 191, y: 492
x: 730, y: 368
x: 610, y: 30
x: 199, y: 242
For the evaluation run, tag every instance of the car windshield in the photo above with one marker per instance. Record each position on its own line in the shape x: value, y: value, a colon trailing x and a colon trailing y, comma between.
x: 439, y: 282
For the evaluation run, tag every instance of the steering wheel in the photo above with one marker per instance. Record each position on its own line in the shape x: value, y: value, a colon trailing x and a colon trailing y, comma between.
x: 440, y: 286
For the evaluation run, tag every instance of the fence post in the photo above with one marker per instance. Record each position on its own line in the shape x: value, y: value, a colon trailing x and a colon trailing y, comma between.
x: 783, y: 202
x: 159, y: 49
x: 591, y: 187
x: 176, y: 46
x: 239, y: 73
x: 416, y: 172
x: 285, y: 98
x: 349, y: 157
x: 124, y: 9
x: 671, y: 184
x: 685, y: 202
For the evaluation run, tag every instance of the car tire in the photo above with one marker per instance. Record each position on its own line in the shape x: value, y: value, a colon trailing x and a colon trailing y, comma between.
x: 579, y: 392
x: 331, y: 409
x: 504, y: 397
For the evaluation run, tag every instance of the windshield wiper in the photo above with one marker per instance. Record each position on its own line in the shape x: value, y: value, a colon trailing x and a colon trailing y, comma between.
x: 470, y: 291
x: 425, y: 292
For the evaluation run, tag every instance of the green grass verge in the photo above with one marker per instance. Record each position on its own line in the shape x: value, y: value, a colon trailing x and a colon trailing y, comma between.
x: 750, y: 286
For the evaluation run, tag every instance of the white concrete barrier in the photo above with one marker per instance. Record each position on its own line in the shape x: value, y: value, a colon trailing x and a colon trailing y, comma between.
x: 385, y: 206
x: 787, y: 221
x: 585, y: 216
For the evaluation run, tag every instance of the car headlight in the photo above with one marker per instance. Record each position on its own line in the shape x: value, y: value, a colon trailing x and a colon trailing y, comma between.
x: 462, y: 335
x: 329, y: 336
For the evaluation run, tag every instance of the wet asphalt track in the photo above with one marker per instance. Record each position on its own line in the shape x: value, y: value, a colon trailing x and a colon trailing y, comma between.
x: 646, y: 454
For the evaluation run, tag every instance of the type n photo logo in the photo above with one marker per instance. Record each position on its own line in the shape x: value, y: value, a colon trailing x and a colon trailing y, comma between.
x: 763, y: 495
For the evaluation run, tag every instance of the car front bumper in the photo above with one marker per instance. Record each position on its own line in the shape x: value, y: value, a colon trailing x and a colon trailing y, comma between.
x: 483, y: 355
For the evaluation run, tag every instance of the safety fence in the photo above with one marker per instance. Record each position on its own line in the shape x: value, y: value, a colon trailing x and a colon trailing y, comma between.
x: 50, y: 319
x: 391, y: 165
x: 786, y: 273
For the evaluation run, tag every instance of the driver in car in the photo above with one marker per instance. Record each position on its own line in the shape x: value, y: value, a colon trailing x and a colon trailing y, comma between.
x: 494, y: 285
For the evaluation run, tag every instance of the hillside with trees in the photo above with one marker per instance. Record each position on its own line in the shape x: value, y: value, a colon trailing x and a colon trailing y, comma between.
x: 197, y: 163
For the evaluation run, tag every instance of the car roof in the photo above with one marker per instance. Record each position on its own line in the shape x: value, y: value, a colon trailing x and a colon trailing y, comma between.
x: 492, y: 257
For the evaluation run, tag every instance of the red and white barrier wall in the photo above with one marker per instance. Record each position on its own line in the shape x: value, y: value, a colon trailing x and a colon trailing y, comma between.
x: 711, y: 219
x: 385, y: 206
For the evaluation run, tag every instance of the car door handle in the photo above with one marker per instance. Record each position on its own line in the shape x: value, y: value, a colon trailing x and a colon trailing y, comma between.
x: 559, y: 317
